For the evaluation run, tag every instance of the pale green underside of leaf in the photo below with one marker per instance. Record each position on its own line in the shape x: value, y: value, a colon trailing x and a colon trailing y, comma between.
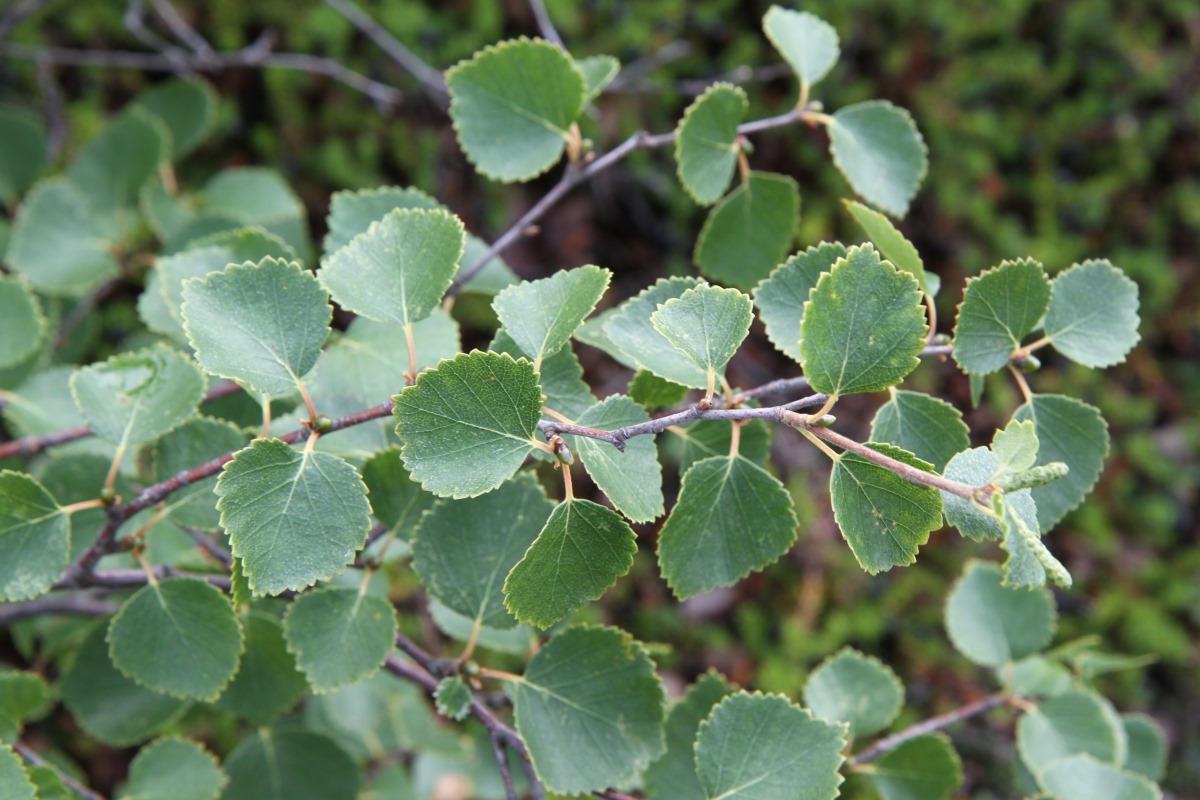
x: 56, y: 244
x: 705, y: 141
x: 339, y: 636
x: 629, y: 329
x: 1147, y: 746
x: 856, y: 689
x: 924, y: 768
x: 1093, y: 314
x: 780, y: 297
x: 21, y: 322
x: 1073, y: 432
x: 13, y: 778
x: 592, y: 332
x: 468, y: 424
x: 877, y: 146
x: 926, y: 426
x: 749, y: 231
x: 516, y: 640
x: 590, y: 709
x: 540, y: 316
x: 464, y: 549
x: 179, y: 637
x: 863, y: 326
x: 977, y: 467
x: 173, y: 769
x: 188, y: 107
x: 631, y: 479
x: 598, y: 72
x: 763, y: 747
x: 1084, y: 777
x: 35, y: 538
x: 1000, y: 308
x: 513, y: 104
x: 1076, y: 722
x: 290, y: 765
x: 807, y: 42
x: 1015, y: 446
x: 581, y: 552
x: 732, y: 518
x: 113, y: 166
x: 889, y: 241
x: 106, y: 704
x: 263, y: 324
x: 292, y: 518
x: 993, y: 625
x: 258, y: 196
x: 707, y: 324
x: 267, y: 682
x: 673, y: 776
x: 24, y: 152
x: 883, y: 517
x: 136, y: 397
x: 398, y: 270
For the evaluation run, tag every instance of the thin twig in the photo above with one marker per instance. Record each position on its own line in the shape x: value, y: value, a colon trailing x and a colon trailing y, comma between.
x: 133, y: 578
x: 17, y: 13
x: 32, y: 757
x: 80, y: 311
x: 888, y: 743
x: 545, y: 24
x: 84, y: 604
x: 510, y: 793
x: 430, y: 79
x: 182, y: 30
x: 208, y: 545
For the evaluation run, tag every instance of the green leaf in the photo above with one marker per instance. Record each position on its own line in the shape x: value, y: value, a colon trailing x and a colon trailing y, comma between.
x: 463, y: 549
x: 928, y: 427
x: 707, y: 324
x: 178, y: 636
x: 561, y: 376
x: 453, y: 698
x: 1015, y: 447
x: 513, y: 105
x: 1039, y: 676
x: 1083, y: 777
x: 208, y: 255
x: 1069, y: 724
x: 23, y: 696
x: 173, y: 769
x: 397, y: 500
x: 650, y: 391
x: 781, y: 297
x: 712, y: 437
x: 977, y: 467
x: 993, y: 625
x: 114, y: 165
x: 590, y: 709
x: 581, y: 552
x: 43, y: 404
x: 1093, y: 314
x: 106, y: 704
x: 1029, y: 562
x: 877, y: 146
x: 749, y: 231
x: 592, y: 332
x: 267, y: 681
x: 732, y: 518
x: 541, y: 315
x: 516, y: 640
x: 1000, y: 307
x: 924, y: 768
x: 856, y: 689
x: 136, y: 397
x: 23, y: 155
x: 399, y: 269
x: 263, y: 324
x: 21, y: 322
x: 890, y: 241
x: 598, y: 72
x: 468, y: 425
x: 883, y: 517
x: 673, y: 776
x: 188, y: 107
x: 706, y: 148
x: 13, y: 777
x: 290, y: 765
x: 863, y: 327
x: 1073, y: 432
x: 631, y: 479
x: 629, y: 329
x: 49, y: 784
x: 35, y: 538
x: 197, y: 441
x: 56, y: 244
x: 258, y: 196
x: 339, y: 636
x: 807, y: 42
x: 1147, y: 752
x: 763, y: 747
x: 293, y: 518
x: 364, y: 361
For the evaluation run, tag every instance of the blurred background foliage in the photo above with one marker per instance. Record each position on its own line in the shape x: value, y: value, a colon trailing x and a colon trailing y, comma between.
x: 1059, y: 130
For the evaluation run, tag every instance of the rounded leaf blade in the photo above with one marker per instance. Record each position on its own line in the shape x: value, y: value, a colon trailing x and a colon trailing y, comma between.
x: 174, y: 769
x: 707, y: 324
x: 706, y: 141
x: 807, y: 42
x: 781, y: 296
x: 339, y: 636
x: 856, y: 689
x: 540, y: 316
x: 35, y: 537
x: 877, y: 146
x: 749, y: 231
x: 993, y: 625
x: 1000, y: 307
x: 1093, y: 314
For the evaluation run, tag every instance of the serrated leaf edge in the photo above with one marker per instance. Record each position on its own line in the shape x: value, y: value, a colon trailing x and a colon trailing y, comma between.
x: 720, y: 86
x: 174, y: 737
x: 912, y: 124
x: 849, y: 652
x: 296, y: 653
x: 967, y: 288
x: 978, y: 563
x: 1121, y: 276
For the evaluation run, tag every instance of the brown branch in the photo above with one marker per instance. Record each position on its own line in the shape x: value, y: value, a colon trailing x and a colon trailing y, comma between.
x: 931, y: 725
x: 430, y: 79
x: 84, y: 604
